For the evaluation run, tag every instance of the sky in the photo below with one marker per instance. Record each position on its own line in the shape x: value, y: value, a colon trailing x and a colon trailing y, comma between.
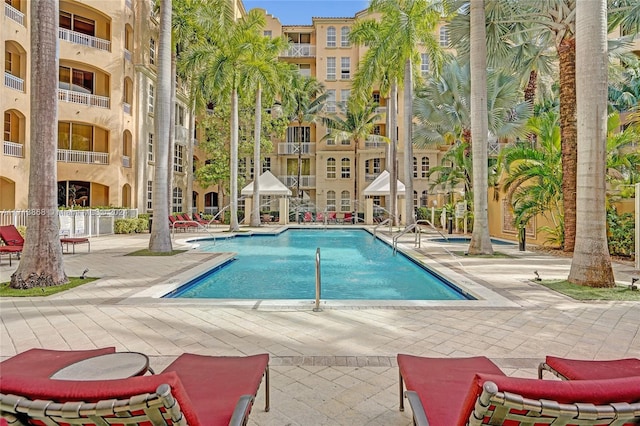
x: 299, y: 12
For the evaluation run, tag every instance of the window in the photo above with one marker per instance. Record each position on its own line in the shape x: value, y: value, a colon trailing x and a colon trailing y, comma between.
x: 149, y: 194
x: 251, y: 169
x: 305, y: 70
x: 444, y: 36
x: 373, y: 166
x: 150, y: 100
x: 345, y: 168
x: 331, y: 168
x: 345, y: 68
x: 344, y: 97
x: 75, y: 136
x: 242, y: 167
x: 376, y: 97
x: 75, y: 80
x: 424, y: 64
x: 178, y: 152
x: 424, y: 199
x: 345, y: 202
x: 267, y: 33
x: 377, y: 130
x: 425, y: 167
x: 330, y: 140
x: 266, y: 164
x: 299, y: 134
x: 331, y: 100
x: 331, y: 37
x: 7, y: 126
x: 415, y: 167
x: 331, y: 201
x: 331, y: 68
x: 176, y: 205
x: 152, y: 51
x: 78, y: 24
x: 179, y: 115
x: 345, y: 142
x: 150, y: 156
x: 344, y: 36
x: 415, y: 199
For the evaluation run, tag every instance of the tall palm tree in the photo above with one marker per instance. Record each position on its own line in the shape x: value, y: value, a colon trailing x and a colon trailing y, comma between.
x: 395, y: 40
x: 42, y: 263
x: 356, y: 124
x: 591, y: 263
x: 160, y: 239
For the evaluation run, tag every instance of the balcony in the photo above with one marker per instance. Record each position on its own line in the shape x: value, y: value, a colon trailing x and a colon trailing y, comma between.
x: 126, y: 108
x: 381, y: 110
x: 375, y: 141
x: 291, y: 181
x: 127, y: 55
x: 13, y: 14
x: 13, y: 82
x: 126, y: 161
x: 370, y: 177
x: 13, y: 149
x: 84, y: 39
x: 294, y: 148
x: 82, y: 98
x: 299, y: 50
x: 85, y: 157
x: 181, y: 133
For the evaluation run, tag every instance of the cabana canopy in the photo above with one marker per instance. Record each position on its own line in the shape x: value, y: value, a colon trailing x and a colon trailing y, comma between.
x: 269, y: 185
x: 380, y: 186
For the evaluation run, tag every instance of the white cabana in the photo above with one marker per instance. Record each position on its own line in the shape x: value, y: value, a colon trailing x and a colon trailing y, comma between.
x: 381, y: 187
x: 269, y: 185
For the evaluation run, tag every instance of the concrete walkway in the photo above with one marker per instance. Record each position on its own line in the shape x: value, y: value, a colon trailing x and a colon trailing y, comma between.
x: 337, y: 366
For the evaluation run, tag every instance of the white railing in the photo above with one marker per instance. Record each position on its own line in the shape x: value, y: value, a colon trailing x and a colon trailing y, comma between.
x: 494, y: 149
x: 73, y: 97
x: 126, y: 161
x: 86, y: 157
x: 14, y: 14
x: 375, y: 141
x: 291, y: 181
x: 128, y: 4
x: 83, y: 39
x: 295, y: 148
x: 127, y: 108
x: 370, y: 177
x: 12, y: 149
x: 181, y: 133
x: 300, y: 49
x: 381, y: 110
x: 13, y: 82
x: 127, y: 55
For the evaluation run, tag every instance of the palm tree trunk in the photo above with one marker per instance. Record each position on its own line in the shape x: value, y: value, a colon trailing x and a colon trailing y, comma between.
x: 233, y: 185
x: 393, y: 166
x: 355, y: 180
x: 42, y: 263
x: 255, y: 214
x: 160, y: 239
x: 408, y: 142
x: 298, y: 191
x: 569, y: 136
x: 480, y: 240
x: 591, y: 264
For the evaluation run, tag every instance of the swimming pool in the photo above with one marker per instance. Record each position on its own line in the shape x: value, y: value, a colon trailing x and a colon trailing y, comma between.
x: 354, y: 266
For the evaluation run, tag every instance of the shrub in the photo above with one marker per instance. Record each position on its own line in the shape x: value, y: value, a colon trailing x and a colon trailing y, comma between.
x: 423, y: 214
x: 142, y: 224
x: 621, y: 233
x: 125, y: 226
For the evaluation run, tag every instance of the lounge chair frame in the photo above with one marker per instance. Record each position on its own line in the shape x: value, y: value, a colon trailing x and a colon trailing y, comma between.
x: 493, y: 407
x: 159, y: 408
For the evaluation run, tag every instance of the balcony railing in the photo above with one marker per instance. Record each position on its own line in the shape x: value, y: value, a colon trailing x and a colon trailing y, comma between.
x: 12, y: 149
x: 290, y: 148
x: 298, y: 50
x: 181, y: 133
x: 13, y: 82
x: 126, y: 108
x: 306, y: 181
x: 127, y: 55
x: 381, y: 110
x: 83, y: 39
x: 370, y: 177
x: 14, y: 14
x: 126, y: 161
x: 73, y: 97
x: 375, y: 141
x: 86, y: 157
x: 128, y: 4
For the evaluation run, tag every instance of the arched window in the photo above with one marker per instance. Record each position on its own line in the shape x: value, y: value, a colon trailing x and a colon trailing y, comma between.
x: 415, y: 167
x: 425, y: 167
x: 331, y: 168
x: 424, y: 199
x: 331, y: 37
x: 344, y: 36
x: 415, y: 199
x: 345, y: 168
x: 444, y: 36
x: 345, y: 201
x: 331, y: 201
x: 176, y: 205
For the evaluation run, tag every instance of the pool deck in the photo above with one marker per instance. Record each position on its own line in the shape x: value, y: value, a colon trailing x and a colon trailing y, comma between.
x: 337, y: 366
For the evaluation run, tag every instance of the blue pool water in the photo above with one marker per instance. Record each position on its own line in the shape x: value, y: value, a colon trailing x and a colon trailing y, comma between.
x: 354, y: 265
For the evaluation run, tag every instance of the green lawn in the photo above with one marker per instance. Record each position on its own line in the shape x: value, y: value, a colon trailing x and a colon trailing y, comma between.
x: 579, y: 292
x: 6, y: 291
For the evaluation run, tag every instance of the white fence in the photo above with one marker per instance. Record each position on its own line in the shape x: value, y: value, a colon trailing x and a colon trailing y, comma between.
x: 74, y: 223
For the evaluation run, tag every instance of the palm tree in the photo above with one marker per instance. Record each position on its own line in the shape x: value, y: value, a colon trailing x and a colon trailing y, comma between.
x: 356, y: 125
x: 304, y: 101
x: 404, y: 25
x: 42, y: 263
x: 591, y: 264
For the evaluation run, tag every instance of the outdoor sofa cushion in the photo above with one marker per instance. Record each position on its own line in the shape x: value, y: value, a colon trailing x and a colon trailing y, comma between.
x: 44, y: 362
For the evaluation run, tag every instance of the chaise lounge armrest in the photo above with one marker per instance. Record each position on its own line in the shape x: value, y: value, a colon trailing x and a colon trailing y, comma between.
x: 241, y: 412
x: 419, y: 416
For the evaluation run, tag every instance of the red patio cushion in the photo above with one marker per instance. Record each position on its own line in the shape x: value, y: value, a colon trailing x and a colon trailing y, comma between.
x: 44, y: 362
x: 442, y: 383
x: 575, y: 369
x: 216, y: 383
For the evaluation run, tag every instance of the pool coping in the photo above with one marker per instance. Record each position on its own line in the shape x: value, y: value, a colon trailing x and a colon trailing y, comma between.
x: 484, y: 297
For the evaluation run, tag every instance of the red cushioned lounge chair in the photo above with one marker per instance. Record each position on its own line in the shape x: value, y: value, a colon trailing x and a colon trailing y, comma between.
x: 43, y: 363
x: 194, y: 390
x: 10, y: 236
x: 474, y: 392
x: 575, y: 369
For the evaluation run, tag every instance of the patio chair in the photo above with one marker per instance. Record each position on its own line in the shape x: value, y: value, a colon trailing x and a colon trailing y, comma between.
x: 43, y: 363
x: 331, y: 217
x: 308, y: 217
x: 177, y: 223
x: 193, y: 390
x: 74, y: 241
x: 10, y: 236
x: 348, y: 218
x: 320, y: 217
x: 11, y: 250
x: 575, y: 369
x: 473, y: 391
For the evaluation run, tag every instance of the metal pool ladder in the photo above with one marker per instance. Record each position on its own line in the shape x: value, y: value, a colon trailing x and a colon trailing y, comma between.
x: 318, y: 286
